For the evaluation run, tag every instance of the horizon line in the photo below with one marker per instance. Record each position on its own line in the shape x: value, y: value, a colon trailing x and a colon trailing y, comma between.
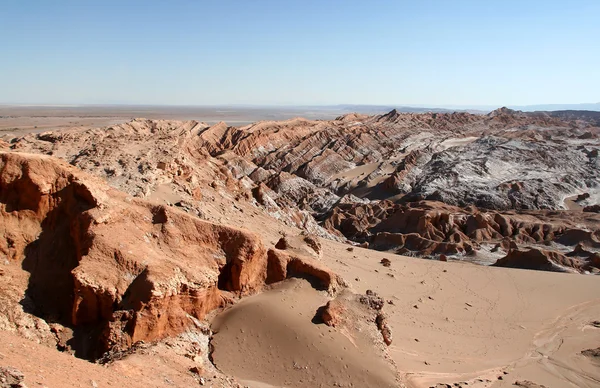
x: 390, y: 105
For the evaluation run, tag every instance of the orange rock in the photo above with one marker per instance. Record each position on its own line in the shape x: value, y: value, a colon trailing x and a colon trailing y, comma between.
x: 133, y: 270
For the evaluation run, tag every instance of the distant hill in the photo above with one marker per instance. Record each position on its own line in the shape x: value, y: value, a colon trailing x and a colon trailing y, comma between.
x: 558, y: 107
x: 593, y: 117
x: 375, y: 109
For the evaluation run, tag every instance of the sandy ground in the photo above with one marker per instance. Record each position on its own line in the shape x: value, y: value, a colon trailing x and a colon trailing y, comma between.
x: 270, y: 338
x: 18, y: 120
x: 453, y: 322
x: 17, y: 126
x: 457, y: 142
x: 46, y: 367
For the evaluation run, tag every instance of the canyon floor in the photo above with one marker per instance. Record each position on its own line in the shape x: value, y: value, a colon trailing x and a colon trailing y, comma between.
x: 179, y: 253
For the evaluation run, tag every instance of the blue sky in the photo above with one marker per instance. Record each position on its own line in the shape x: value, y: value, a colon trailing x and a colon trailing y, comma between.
x: 300, y: 52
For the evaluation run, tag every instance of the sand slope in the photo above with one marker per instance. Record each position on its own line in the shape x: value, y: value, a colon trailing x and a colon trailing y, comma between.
x: 457, y: 322
x: 452, y: 323
x: 270, y: 338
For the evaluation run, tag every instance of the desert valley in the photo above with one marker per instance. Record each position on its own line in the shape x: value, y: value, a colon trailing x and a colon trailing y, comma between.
x: 401, y: 249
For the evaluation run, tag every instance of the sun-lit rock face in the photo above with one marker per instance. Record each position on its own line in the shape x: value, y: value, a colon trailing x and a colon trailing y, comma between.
x: 123, y: 269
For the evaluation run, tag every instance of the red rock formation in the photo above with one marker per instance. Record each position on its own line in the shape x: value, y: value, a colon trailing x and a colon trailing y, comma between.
x: 334, y: 313
x: 539, y: 259
x: 412, y: 242
x: 431, y: 228
x: 132, y: 270
x: 282, y: 265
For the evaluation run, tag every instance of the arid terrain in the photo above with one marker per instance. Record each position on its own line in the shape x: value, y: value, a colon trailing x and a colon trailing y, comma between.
x: 393, y: 250
x: 22, y: 119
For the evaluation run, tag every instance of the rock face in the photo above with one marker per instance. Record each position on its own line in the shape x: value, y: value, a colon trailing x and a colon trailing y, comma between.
x: 117, y: 269
x: 282, y: 265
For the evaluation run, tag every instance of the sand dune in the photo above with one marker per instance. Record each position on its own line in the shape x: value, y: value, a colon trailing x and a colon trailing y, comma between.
x: 270, y: 338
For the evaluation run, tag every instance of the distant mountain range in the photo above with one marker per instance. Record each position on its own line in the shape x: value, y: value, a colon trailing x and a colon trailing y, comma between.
x: 278, y: 112
x: 464, y: 108
x: 554, y: 107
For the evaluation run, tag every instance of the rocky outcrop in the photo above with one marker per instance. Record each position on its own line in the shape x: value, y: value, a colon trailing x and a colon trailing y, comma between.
x: 412, y: 243
x: 528, y: 384
x: 578, y: 116
x: 395, y: 183
x: 539, y: 259
x: 435, y: 221
x: 592, y: 353
x: 430, y: 228
x: 302, y: 193
x: 592, y: 209
x: 304, y: 244
x: 118, y: 268
x: 171, y: 161
x: 282, y: 265
x: 352, y: 312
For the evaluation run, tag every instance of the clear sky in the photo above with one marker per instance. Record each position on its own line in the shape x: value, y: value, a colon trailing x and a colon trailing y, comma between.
x: 420, y: 52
